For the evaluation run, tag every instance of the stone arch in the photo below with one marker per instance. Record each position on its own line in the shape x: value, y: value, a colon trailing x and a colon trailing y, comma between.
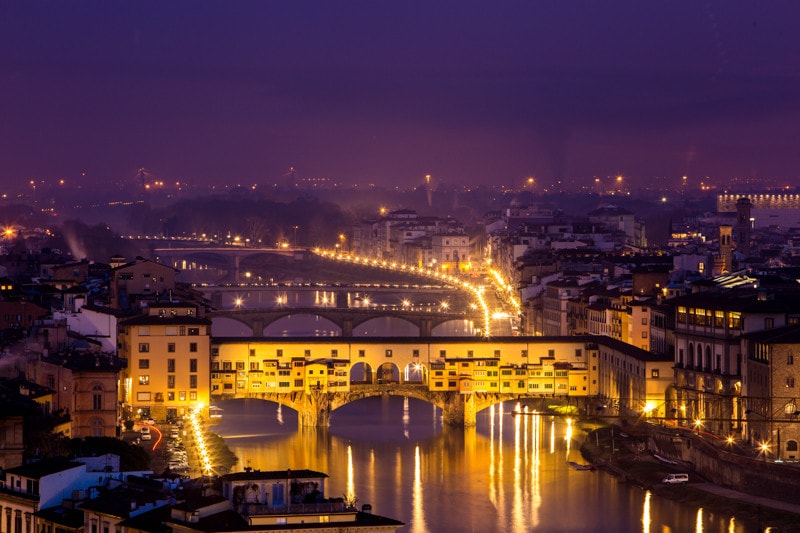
x: 415, y: 373
x: 317, y: 326
x: 454, y: 327
x: 400, y: 326
x: 387, y: 373
x: 222, y: 326
x: 361, y: 372
x: 791, y: 446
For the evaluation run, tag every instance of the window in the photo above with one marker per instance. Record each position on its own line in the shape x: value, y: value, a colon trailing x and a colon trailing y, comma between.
x: 307, y: 353
x: 644, y: 321
x: 193, y: 395
x: 470, y: 353
x: 362, y: 353
x: 227, y: 365
x: 334, y: 353
x: 524, y: 353
x: 253, y: 365
x: 769, y: 323
x: 442, y: 353
x: 193, y: 347
x: 551, y: 353
x: 144, y: 379
x: 252, y: 352
x: 194, y: 331
x: 790, y: 382
x: 388, y: 353
x: 654, y: 373
x: 97, y: 402
x: 171, y: 365
x: 170, y: 381
x: 578, y: 353
x: 144, y: 347
x: 182, y: 396
x: 171, y: 347
x: 193, y: 365
x: 193, y: 381
x: 415, y: 353
x: 171, y: 331
x: 644, y: 334
x: 279, y: 353
x: 239, y: 365
x: 144, y: 363
x: 497, y: 353
x: 790, y: 359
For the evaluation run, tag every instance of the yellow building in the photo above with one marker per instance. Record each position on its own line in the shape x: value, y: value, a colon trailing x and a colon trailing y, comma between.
x: 168, y: 362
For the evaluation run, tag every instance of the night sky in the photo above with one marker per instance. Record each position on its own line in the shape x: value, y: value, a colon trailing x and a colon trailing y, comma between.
x: 386, y: 92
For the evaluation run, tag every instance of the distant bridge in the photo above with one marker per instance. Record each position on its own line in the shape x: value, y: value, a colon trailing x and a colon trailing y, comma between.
x: 346, y: 318
x: 227, y: 257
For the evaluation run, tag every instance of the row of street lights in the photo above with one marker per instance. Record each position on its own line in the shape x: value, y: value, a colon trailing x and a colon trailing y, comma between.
x: 477, y: 291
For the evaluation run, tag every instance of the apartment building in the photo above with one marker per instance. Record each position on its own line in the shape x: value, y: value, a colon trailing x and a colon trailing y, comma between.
x: 167, y: 352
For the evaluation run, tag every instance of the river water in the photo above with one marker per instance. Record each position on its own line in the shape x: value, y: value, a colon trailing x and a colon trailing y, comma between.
x: 509, y: 474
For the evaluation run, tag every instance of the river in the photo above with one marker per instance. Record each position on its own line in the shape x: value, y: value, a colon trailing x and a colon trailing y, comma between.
x: 509, y: 474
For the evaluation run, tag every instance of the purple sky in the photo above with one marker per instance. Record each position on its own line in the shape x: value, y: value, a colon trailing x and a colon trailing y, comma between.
x: 386, y: 92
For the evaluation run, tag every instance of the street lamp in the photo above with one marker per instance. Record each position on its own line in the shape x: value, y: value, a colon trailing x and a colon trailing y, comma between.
x: 295, y: 228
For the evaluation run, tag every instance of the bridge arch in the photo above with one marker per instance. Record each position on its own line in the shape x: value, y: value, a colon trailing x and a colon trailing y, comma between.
x: 398, y: 325
x: 301, y: 324
x: 453, y: 328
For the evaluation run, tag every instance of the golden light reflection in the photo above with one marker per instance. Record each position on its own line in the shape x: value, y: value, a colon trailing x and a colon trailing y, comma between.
x: 492, y: 454
x: 646, y: 520
x: 698, y: 525
x: 568, y: 436
x: 732, y: 525
x: 406, y: 417
x: 418, y: 512
x: 518, y: 522
x: 350, y: 494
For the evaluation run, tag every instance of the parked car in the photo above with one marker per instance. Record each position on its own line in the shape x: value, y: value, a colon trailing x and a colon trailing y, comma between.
x: 676, y: 479
x: 146, y: 435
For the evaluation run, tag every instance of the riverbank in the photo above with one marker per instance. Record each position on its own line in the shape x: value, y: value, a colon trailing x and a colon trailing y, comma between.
x: 625, y: 455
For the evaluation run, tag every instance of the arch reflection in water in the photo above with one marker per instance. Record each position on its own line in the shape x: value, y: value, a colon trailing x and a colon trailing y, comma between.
x: 507, y: 474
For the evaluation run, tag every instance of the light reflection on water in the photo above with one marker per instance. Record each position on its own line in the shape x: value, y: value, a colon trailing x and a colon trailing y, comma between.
x: 508, y: 474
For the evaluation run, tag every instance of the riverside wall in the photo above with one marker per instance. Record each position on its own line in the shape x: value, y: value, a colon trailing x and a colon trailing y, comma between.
x: 732, y: 466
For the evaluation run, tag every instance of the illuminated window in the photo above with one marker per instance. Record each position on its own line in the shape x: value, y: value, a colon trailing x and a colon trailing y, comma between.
x: 144, y: 380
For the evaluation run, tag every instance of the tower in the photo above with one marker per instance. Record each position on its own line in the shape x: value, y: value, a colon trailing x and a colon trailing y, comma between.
x: 743, y: 206
x: 725, y: 250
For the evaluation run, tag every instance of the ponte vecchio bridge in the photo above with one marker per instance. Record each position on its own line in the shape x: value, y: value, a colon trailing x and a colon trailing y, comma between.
x: 460, y: 375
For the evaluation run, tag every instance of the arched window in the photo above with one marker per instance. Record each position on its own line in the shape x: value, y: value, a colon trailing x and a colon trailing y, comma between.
x: 690, y: 356
x: 791, y: 445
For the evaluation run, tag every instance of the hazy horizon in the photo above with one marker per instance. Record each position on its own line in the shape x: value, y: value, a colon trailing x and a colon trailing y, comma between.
x: 365, y: 93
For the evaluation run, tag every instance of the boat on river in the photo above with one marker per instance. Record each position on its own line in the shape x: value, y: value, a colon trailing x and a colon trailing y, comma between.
x: 581, y: 466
